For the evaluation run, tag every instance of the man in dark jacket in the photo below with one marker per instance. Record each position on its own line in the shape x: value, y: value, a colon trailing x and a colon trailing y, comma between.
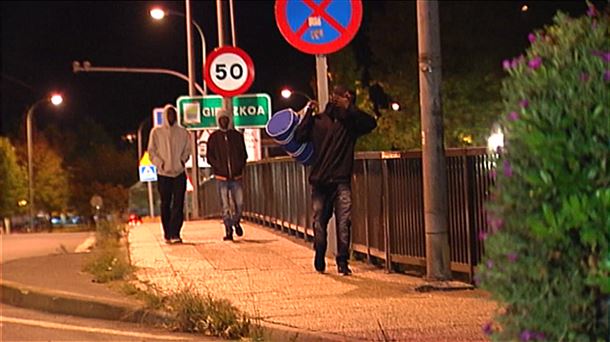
x: 226, y: 153
x: 333, y: 133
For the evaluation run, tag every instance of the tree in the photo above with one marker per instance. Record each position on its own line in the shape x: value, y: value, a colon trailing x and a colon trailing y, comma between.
x: 13, y: 180
x: 471, y: 90
x: 51, y: 180
x: 96, y: 166
x: 105, y: 171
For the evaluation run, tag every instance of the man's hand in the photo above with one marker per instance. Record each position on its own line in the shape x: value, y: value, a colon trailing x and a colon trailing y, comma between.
x: 313, y: 106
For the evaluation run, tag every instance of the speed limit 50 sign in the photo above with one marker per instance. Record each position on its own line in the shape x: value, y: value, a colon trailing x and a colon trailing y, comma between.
x: 229, y: 71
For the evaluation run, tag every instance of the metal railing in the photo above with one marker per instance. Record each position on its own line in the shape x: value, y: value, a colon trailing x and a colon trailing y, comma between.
x: 387, y: 204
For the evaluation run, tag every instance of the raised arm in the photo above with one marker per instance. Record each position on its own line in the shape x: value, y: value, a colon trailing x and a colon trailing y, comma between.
x: 304, y: 129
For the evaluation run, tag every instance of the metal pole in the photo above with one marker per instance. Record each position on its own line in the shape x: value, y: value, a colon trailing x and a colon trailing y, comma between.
x: 28, y: 127
x: 151, y: 202
x: 233, y: 37
x: 140, y: 139
x: 87, y: 67
x: 203, y: 44
x: 322, y: 80
x: 194, y: 147
x: 151, y: 205
x: 438, y: 265
x: 28, y: 120
x: 224, y: 39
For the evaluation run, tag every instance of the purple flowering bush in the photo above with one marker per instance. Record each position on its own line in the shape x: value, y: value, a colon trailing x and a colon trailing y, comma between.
x: 546, y: 255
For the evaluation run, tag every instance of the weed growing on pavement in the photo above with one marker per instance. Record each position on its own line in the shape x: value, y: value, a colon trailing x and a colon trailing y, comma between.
x: 108, y: 260
x: 194, y: 312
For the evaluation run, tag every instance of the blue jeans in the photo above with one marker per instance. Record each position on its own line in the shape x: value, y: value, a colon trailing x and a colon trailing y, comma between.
x: 231, y: 212
x: 325, y: 199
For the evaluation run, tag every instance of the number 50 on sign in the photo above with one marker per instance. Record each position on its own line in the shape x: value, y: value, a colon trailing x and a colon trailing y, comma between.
x: 229, y: 71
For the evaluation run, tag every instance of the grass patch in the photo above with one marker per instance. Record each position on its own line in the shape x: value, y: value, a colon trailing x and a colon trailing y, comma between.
x: 194, y: 312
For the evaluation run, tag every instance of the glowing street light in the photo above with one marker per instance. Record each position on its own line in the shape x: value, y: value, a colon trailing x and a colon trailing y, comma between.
x: 495, y: 140
x: 56, y: 100
x: 395, y: 106
x: 287, y: 93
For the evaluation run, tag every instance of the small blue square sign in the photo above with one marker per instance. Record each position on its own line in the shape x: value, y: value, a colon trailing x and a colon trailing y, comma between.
x: 148, y: 173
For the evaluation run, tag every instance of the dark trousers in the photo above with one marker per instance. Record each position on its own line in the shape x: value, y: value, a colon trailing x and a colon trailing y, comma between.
x: 325, y: 200
x: 172, y: 191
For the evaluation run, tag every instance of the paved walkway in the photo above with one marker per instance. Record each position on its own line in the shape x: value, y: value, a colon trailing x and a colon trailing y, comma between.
x: 270, y: 275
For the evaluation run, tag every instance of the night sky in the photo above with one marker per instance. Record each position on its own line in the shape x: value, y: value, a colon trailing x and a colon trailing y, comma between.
x: 41, y: 39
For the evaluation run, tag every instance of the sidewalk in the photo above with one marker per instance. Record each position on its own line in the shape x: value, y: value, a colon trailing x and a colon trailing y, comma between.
x: 270, y: 275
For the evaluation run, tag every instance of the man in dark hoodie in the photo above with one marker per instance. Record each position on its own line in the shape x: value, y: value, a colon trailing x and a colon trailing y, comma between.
x: 226, y: 153
x: 333, y: 133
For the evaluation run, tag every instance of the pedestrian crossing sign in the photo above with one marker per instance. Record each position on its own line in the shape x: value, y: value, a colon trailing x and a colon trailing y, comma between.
x: 148, y: 173
x: 145, y: 161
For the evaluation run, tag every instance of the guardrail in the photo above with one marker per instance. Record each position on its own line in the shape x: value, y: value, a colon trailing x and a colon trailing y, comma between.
x: 387, y: 204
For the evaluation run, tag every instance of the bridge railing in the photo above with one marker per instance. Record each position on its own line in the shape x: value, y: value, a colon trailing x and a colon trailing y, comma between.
x: 387, y: 204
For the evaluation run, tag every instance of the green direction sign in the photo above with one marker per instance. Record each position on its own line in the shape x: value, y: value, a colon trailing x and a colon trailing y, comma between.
x: 199, y: 112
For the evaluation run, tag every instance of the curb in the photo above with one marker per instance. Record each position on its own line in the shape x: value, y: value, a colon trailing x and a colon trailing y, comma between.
x: 36, y: 298
x: 280, y: 332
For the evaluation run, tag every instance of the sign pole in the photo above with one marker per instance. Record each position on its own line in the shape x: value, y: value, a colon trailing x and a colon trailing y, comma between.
x: 151, y: 205
x: 224, y: 39
x: 322, y: 81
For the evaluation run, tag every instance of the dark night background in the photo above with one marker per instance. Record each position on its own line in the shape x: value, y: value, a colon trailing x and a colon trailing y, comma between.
x: 41, y: 39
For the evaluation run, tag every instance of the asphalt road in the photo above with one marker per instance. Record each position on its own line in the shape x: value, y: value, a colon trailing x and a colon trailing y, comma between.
x: 18, y: 325
x: 18, y: 246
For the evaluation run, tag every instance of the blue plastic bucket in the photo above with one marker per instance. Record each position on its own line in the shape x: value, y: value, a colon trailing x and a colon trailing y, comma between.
x: 281, y: 129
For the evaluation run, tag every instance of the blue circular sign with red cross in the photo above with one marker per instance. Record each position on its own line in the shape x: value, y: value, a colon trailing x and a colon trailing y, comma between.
x: 318, y: 26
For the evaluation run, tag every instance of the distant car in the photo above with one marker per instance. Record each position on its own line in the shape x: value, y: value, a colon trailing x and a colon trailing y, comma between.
x: 134, y: 220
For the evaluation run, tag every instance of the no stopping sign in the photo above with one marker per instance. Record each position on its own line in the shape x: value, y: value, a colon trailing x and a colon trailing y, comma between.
x: 229, y: 71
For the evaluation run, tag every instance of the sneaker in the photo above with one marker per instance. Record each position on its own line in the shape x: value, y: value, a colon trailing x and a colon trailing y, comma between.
x: 344, y: 270
x: 176, y: 240
x: 228, y: 238
x: 319, y: 262
x: 238, y: 230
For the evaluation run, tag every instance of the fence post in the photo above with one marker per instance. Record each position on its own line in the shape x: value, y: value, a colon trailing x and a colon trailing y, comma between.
x: 385, y: 202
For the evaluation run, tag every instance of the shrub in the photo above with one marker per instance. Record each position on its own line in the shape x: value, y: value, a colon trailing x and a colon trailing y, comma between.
x: 547, y: 259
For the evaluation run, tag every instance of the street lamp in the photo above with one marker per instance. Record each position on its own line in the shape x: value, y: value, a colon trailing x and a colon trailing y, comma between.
x: 158, y: 14
x: 287, y: 93
x: 56, y: 100
x: 395, y: 106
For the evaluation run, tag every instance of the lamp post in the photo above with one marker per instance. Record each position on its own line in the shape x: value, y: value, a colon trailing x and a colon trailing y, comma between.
x: 159, y: 13
x: 56, y: 100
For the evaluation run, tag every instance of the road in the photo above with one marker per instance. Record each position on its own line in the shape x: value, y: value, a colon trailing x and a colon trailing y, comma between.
x: 18, y: 246
x: 17, y: 325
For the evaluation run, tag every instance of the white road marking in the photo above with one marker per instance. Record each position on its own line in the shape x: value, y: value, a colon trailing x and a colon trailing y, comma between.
x: 86, y: 245
x: 62, y: 326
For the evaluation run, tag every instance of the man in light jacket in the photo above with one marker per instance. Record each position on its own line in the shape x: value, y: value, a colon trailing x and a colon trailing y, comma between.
x: 169, y: 149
